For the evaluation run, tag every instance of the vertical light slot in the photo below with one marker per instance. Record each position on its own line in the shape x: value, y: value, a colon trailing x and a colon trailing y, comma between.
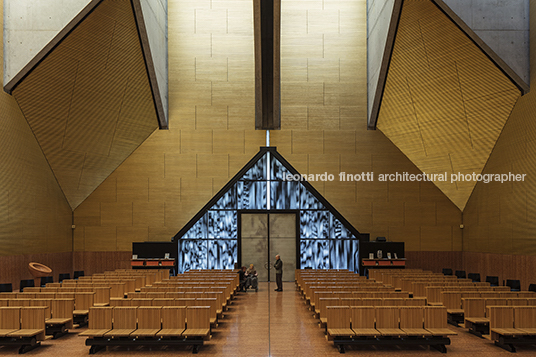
x: 268, y: 175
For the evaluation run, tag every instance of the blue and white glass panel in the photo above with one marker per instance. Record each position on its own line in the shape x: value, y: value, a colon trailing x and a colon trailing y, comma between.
x: 314, y: 254
x: 222, y: 253
x: 324, y: 241
x: 340, y: 252
x: 251, y: 194
x: 277, y: 170
x: 257, y: 172
x: 309, y: 201
x: 192, y: 254
x: 199, y: 229
x: 314, y: 224
x: 285, y: 195
x: 338, y: 230
x: 354, y: 256
x: 228, y: 200
x: 222, y: 224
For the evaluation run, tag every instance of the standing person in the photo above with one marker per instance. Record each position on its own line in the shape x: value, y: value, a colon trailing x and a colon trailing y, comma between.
x: 278, y: 265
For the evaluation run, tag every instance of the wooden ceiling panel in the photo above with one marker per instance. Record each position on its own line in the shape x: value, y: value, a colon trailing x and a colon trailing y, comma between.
x: 89, y: 102
x: 445, y: 102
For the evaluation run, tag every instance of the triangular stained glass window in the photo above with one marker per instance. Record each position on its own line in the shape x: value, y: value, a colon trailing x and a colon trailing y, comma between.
x: 210, y: 239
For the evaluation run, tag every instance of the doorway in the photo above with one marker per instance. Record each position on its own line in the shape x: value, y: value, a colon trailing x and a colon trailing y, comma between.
x: 263, y: 236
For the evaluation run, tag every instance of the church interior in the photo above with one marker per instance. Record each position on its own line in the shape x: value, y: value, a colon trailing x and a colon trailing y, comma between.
x: 136, y: 133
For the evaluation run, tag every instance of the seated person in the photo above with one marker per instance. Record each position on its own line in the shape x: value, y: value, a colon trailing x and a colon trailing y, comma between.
x: 251, y: 278
x: 242, y: 278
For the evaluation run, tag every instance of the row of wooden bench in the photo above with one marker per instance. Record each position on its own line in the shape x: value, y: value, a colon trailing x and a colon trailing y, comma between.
x: 512, y: 325
x: 359, y: 325
x: 80, y: 309
x: 101, y: 296
x: 308, y: 289
x: 385, y: 316
x: 476, y: 316
x: 147, y: 325
x: 453, y: 301
x: 23, y: 326
x: 509, y: 317
x: 181, y: 317
x: 324, y: 302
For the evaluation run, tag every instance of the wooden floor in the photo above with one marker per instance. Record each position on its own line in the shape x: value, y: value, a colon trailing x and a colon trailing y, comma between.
x: 270, y: 323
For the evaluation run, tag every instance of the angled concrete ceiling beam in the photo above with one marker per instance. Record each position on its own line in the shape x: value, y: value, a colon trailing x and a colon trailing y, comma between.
x: 446, y: 99
x: 382, y: 23
x: 503, y: 25
x: 29, y: 28
x: 488, y: 51
x: 33, y: 28
x: 381, y: 31
x: 89, y: 101
x: 151, y: 19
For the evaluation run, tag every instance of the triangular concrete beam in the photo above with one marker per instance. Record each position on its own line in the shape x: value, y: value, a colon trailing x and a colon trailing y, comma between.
x: 151, y: 16
x: 502, y: 25
x: 30, y: 27
x: 382, y: 22
x: 33, y: 28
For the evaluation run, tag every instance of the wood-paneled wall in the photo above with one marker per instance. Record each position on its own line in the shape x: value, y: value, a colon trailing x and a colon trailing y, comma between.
x: 161, y: 186
x: 505, y: 266
x: 34, y: 214
x: 434, y: 261
x: 98, y: 262
x: 14, y: 268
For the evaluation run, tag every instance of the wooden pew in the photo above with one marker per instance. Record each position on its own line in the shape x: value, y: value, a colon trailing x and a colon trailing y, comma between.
x: 124, y: 322
x: 525, y: 319
x: 362, y: 319
x: 412, y: 321
x: 474, y: 311
x: 61, y: 317
x: 31, y: 331
x: 197, y: 322
x: 212, y: 303
x: 149, y: 322
x: 452, y: 300
x: 435, y: 321
x: 414, y: 302
x: 387, y: 318
x: 338, y: 325
x: 503, y: 331
x: 173, y: 322
x: 82, y: 303
x: 100, y: 322
x: 322, y: 305
x: 165, y: 302
x: 9, y: 320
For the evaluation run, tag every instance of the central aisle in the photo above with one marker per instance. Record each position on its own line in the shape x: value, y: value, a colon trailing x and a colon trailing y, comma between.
x: 271, y: 323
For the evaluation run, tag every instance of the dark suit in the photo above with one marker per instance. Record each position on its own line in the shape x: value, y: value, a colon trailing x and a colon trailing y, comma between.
x: 278, y: 265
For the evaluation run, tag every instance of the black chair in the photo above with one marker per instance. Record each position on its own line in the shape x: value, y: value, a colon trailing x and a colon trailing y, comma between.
x: 29, y: 283
x: 492, y: 280
x: 64, y: 276
x: 6, y: 288
x: 447, y: 271
x: 78, y: 273
x: 515, y: 285
x: 475, y: 277
x: 460, y: 274
x: 532, y: 287
x: 45, y: 280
